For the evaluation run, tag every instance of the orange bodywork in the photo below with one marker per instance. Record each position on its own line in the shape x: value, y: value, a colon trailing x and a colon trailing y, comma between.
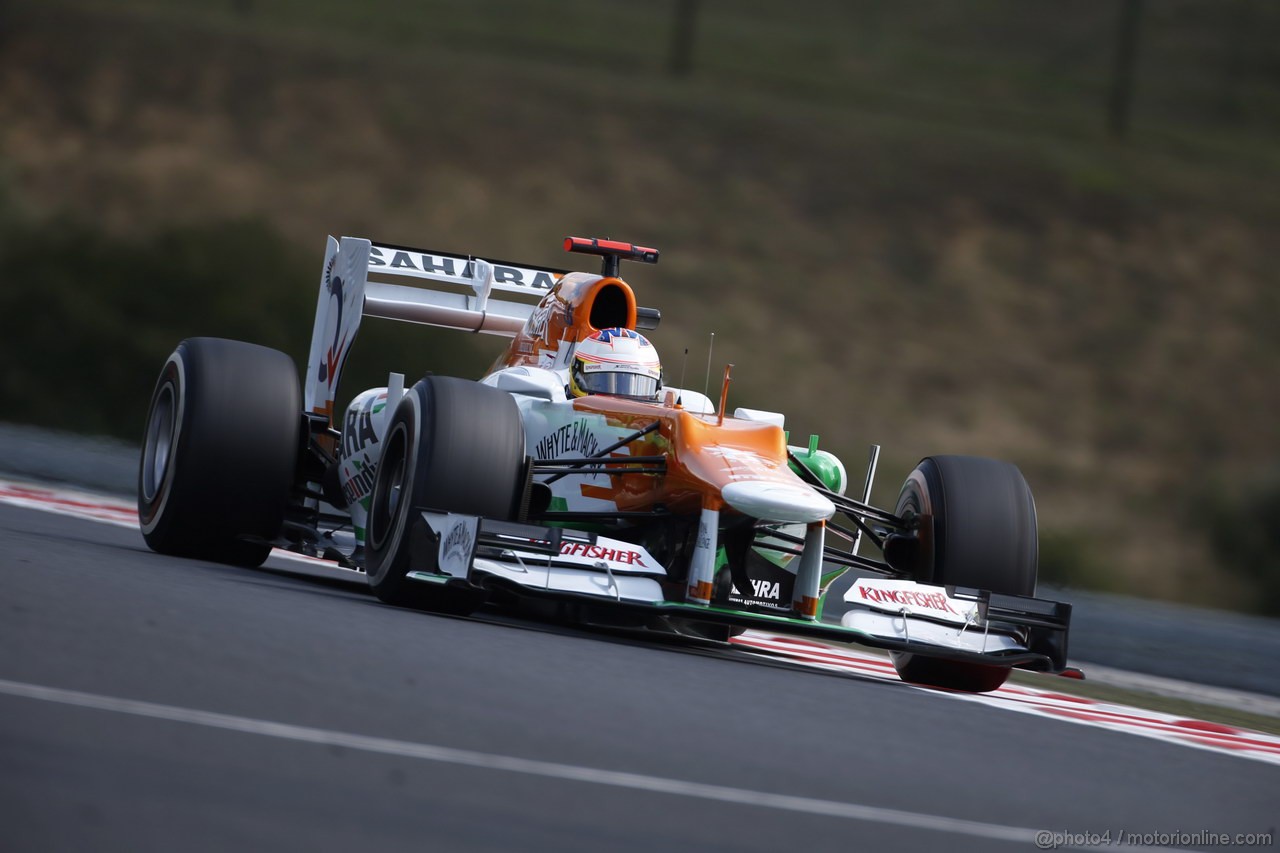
x: 565, y: 315
x: 702, y: 456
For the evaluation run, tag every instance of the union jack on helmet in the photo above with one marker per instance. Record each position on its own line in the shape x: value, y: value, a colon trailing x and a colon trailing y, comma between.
x: 619, y: 362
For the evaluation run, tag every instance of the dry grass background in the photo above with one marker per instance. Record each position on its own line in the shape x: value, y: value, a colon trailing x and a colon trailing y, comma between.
x: 990, y: 281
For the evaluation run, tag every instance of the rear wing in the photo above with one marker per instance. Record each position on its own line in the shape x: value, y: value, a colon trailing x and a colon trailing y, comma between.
x: 363, y: 279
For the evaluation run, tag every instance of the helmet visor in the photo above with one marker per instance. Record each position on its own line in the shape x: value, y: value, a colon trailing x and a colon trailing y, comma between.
x: 632, y: 385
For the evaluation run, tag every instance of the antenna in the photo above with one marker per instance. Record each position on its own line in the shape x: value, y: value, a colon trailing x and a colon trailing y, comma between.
x: 613, y: 251
x: 683, y: 365
x: 706, y: 386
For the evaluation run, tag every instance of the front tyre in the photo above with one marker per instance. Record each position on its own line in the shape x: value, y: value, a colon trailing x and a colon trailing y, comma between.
x: 220, y: 451
x: 983, y: 535
x: 452, y: 445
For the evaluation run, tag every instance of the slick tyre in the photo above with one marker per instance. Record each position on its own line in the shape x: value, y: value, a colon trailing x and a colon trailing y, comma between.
x: 983, y: 535
x: 220, y: 451
x: 452, y: 445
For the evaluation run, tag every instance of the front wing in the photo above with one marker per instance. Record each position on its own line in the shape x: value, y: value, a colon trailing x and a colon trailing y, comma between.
x: 525, y: 559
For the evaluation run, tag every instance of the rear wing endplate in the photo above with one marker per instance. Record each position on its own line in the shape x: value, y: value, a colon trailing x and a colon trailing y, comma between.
x: 363, y: 279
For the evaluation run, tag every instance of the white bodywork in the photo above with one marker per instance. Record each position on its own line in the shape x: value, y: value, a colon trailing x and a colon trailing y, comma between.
x: 455, y: 293
x: 920, y: 613
x: 363, y: 426
x: 473, y: 295
x: 361, y: 279
x: 777, y: 502
x: 609, y: 568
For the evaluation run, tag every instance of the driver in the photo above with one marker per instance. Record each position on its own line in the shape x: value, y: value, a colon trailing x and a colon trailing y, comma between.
x: 617, y: 362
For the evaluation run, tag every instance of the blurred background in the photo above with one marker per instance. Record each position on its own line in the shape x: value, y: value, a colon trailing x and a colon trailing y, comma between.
x: 1017, y: 228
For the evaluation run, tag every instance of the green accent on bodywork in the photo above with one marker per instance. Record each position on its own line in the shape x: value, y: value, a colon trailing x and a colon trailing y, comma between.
x: 428, y: 577
x: 559, y: 504
x: 378, y: 407
x: 828, y: 631
x: 791, y: 624
x: 722, y: 558
x: 827, y: 579
x: 781, y: 559
x: 824, y: 465
x: 729, y: 611
x: 747, y: 618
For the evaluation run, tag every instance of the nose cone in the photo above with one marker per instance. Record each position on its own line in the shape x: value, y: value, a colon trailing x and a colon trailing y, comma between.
x: 777, y: 501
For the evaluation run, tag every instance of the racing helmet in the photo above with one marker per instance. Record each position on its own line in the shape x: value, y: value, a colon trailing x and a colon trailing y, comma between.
x: 618, y: 362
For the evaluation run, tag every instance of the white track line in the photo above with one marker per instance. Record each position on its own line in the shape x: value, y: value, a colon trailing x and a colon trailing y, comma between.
x: 512, y: 764
x: 1170, y: 728
x: 1228, y: 740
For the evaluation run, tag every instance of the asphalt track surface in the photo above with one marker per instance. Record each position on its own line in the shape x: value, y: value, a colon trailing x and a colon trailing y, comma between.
x: 1228, y: 650
x: 150, y: 703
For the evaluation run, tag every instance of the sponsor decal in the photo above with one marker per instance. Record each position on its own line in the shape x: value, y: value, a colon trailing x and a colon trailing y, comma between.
x: 538, y: 326
x: 764, y: 594
x: 358, y: 432
x: 574, y: 438
x: 539, y: 320
x: 421, y: 262
x: 458, y: 542
x: 704, y: 537
x: 765, y: 589
x: 620, y: 556
x: 333, y: 357
x: 357, y: 487
x: 912, y: 597
x: 600, y: 552
x: 896, y: 596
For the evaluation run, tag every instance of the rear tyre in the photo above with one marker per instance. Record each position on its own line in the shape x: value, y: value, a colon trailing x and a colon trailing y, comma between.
x: 220, y: 451
x: 452, y: 446
x: 983, y: 535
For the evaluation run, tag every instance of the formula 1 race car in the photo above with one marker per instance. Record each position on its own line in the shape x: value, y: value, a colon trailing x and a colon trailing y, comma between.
x: 570, y: 481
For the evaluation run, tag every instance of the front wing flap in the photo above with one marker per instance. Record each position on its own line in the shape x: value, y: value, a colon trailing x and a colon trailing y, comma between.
x: 1007, y: 630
